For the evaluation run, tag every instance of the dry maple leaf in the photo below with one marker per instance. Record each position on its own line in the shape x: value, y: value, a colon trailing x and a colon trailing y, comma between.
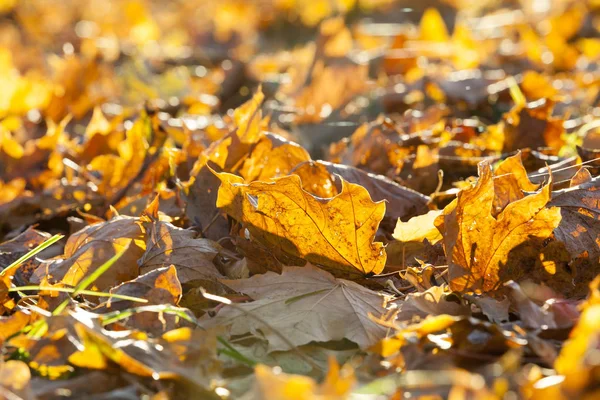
x: 335, y: 233
x: 117, y: 171
x: 248, y: 118
x: 579, y: 227
x: 272, y: 157
x: 401, y: 202
x: 477, y: 244
x: 304, y: 304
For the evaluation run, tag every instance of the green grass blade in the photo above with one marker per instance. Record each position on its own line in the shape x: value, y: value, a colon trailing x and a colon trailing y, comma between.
x: 115, y: 316
x: 86, y: 282
x: 72, y: 290
x: 31, y: 253
x: 231, y: 352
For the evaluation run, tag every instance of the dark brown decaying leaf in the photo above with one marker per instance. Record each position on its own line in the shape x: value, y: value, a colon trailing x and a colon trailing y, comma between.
x: 12, y: 249
x: 532, y: 127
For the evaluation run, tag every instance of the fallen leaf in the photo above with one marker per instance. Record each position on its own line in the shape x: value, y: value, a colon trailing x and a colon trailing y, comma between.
x: 167, y: 245
x: 433, y: 301
x: 335, y: 233
x: 401, y: 202
x: 159, y: 286
x: 477, y: 244
x: 304, y: 304
x: 91, y: 247
x: 12, y: 250
x: 579, y: 228
x: 418, y: 228
x: 575, y: 360
x: 532, y: 126
x: 510, y: 181
x: 272, y: 157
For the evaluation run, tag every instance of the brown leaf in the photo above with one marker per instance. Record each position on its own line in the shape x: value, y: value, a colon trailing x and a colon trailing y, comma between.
x: 579, y: 227
x: 159, y: 286
x: 200, y: 209
x: 335, y: 233
x: 11, y: 251
x: 581, y: 176
x: 433, y: 301
x: 533, y: 126
x: 304, y: 304
x: 91, y: 247
x: 477, y: 244
x: 168, y: 245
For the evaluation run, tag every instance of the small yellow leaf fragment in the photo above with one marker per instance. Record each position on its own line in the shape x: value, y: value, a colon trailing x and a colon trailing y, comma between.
x: 419, y: 228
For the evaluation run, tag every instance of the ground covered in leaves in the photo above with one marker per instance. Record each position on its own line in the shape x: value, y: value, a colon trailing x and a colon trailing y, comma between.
x: 282, y: 200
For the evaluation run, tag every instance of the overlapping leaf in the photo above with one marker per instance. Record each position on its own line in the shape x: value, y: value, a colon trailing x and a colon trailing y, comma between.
x: 302, y: 305
x: 335, y: 233
x: 478, y: 245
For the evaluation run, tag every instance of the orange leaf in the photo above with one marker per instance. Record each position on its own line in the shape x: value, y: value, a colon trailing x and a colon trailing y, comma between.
x: 335, y: 233
x: 477, y: 244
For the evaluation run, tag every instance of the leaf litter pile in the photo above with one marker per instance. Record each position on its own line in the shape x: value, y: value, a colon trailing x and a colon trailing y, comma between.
x: 300, y: 199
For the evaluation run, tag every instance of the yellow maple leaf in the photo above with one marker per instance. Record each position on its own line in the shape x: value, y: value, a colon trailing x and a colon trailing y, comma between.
x: 477, y: 244
x: 336, y: 234
x: 418, y: 228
